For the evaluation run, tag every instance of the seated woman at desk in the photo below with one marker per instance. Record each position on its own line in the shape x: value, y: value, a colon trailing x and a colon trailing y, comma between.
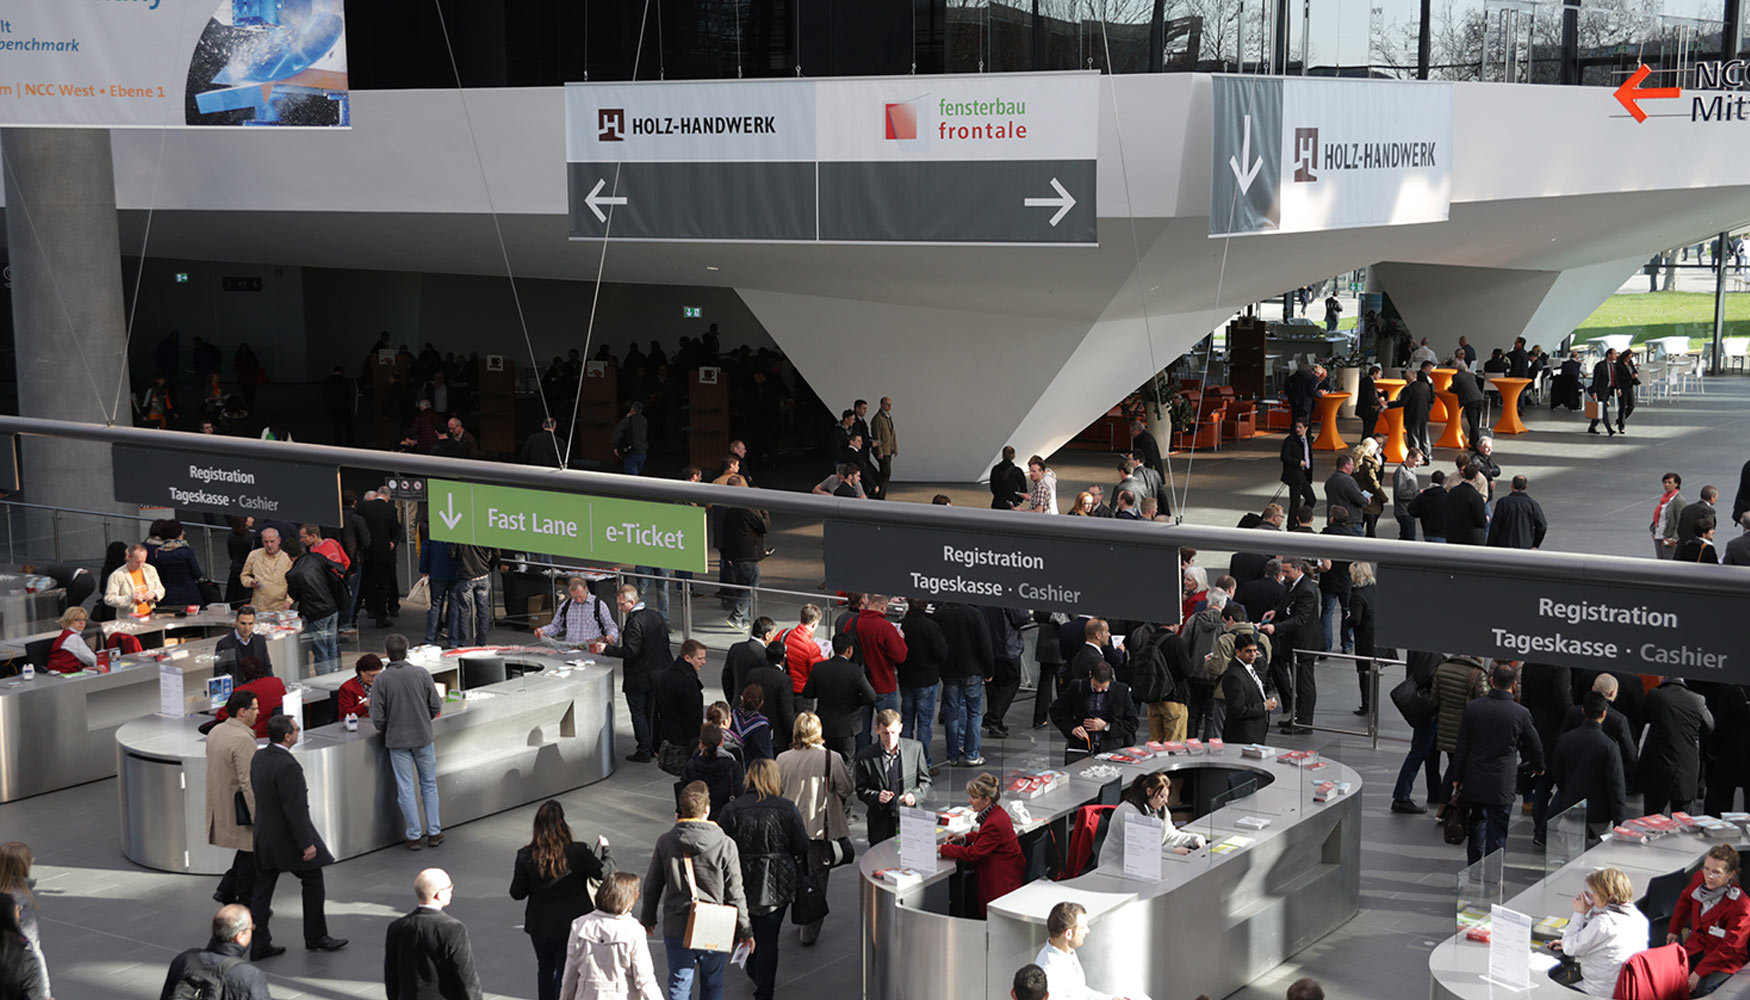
x: 71, y: 653
x: 354, y: 696
x: 991, y: 847
x: 1146, y: 797
x: 1712, y: 920
x: 1604, y: 932
x: 269, y: 692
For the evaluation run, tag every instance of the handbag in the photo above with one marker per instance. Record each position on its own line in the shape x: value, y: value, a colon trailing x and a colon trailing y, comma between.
x: 809, y: 906
x: 241, y: 805
x: 710, y: 926
x: 839, y: 852
x: 1414, y: 703
x: 672, y: 758
x: 418, y: 595
x: 1455, y: 820
x: 1591, y: 408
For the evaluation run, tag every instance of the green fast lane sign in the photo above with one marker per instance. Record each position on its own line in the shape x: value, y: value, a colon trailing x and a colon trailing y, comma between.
x: 631, y: 532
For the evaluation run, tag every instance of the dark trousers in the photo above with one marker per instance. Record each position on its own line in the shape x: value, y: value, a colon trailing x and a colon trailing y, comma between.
x: 1488, y: 831
x: 1406, y: 528
x: 1422, y: 755
x: 1045, y: 693
x: 238, y: 884
x: 1604, y: 402
x: 1204, y: 715
x: 844, y: 746
x: 377, y: 588
x: 642, y: 707
x: 1282, y: 676
x: 1416, y: 435
x: 1722, y: 790
x: 1661, y: 801
x: 1624, y: 408
x: 1710, y: 982
x: 549, y: 965
x: 1301, y: 495
x: 1000, y: 692
x: 762, y: 965
x: 1473, y: 419
x: 340, y: 426
x: 261, y: 905
x: 1540, y: 796
x: 1306, y: 690
x: 884, y: 475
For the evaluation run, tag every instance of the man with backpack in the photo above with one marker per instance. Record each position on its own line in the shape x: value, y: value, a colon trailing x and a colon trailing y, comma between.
x: 579, y: 620
x: 1156, y: 665
x: 219, y: 971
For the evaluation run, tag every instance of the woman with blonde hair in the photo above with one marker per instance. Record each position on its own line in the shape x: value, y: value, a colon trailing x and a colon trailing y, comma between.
x: 1369, y: 475
x: 1604, y: 931
x: 768, y: 832
x: 15, y: 881
x: 818, y: 782
x: 1361, y: 591
x: 71, y: 653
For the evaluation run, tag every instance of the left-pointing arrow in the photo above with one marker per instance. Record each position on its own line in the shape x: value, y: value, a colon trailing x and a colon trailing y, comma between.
x: 595, y: 199
x: 1063, y: 202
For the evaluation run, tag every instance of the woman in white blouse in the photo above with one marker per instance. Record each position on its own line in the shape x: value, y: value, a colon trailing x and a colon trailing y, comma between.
x: 1147, y: 796
x: 1605, y: 930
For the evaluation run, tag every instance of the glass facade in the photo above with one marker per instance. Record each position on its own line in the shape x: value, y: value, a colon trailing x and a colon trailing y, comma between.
x: 522, y: 43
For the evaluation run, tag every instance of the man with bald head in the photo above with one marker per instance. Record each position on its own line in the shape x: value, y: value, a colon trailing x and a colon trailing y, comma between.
x: 223, y: 959
x: 426, y: 954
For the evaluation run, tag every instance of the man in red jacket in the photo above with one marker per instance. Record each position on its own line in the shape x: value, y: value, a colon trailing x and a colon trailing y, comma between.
x: 1712, y: 920
x: 883, y: 651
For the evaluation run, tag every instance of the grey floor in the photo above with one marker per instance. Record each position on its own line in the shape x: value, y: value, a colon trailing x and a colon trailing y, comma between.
x: 109, y: 928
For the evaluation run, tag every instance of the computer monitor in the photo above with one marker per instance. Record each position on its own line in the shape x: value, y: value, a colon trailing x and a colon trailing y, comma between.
x: 479, y: 670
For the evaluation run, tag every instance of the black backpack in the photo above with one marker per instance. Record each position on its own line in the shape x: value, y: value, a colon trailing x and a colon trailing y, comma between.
x: 203, y: 977
x: 1146, y: 663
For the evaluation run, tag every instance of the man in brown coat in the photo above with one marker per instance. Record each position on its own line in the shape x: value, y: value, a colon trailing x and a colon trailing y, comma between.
x: 230, y: 747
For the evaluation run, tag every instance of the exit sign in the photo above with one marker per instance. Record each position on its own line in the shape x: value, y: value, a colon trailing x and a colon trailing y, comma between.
x: 692, y: 312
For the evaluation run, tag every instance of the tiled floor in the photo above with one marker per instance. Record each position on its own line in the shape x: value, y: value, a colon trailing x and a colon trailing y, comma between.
x: 110, y: 928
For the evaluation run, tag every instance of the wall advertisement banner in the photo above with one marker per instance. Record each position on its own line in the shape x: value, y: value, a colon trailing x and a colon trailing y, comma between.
x: 173, y: 63
x: 975, y: 159
x: 1307, y: 155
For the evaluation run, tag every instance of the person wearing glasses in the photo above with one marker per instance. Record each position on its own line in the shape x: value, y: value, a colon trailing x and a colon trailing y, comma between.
x: 428, y: 954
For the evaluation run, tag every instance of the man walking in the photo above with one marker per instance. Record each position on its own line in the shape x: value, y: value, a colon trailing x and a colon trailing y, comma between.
x: 742, y: 542
x: 1417, y: 401
x: 355, y: 539
x: 693, y: 861
x: 643, y: 645
x: 1518, y: 522
x: 1588, y: 765
x: 883, y: 649
x: 219, y: 969
x: 403, y: 702
x: 1297, y: 467
x: 230, y: 749
x: 1341, y: 490
x: 890, y: 773
x: 426, y: 954
x: 1677, y: 721
x: 1468, y: 387
x: 1493, y: 734
x: 1606, y: 389
x: 378, y: 589
x: 286, y: 841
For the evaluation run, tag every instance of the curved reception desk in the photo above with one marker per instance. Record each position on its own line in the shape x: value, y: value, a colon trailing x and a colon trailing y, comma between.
x: 1282, y: 869
x: 545, y: 728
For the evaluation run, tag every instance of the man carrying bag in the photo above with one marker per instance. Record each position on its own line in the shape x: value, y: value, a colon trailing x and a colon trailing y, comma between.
x: 695, y: 876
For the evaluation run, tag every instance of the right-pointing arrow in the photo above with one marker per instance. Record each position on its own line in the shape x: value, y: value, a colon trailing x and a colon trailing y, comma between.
x: 450, y: 515
x: 1063, y: 202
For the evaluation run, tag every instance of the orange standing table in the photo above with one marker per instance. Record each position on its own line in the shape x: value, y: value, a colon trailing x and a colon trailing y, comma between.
x: 1510, y: 390
x: 1442, y: 379
x: 1325, y: 412
x: 1392, y: 420
x: 1453, y: 437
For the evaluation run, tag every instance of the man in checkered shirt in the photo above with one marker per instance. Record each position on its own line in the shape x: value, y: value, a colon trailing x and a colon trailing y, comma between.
x: 579, y: 620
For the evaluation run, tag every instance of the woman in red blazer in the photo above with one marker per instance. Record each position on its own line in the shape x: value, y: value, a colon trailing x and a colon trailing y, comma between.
x: 269, y: 691
x: 1713, y: 921
x: 991, y: 847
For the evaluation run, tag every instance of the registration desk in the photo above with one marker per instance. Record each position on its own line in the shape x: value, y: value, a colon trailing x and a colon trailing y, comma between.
x: 27, y: 603
x: 59, y: 730
x: 1458, y: 967
x: 1217, y: 918
x: 546, y: 728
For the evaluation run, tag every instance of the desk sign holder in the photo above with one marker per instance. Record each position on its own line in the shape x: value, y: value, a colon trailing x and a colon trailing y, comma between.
x: 1509, y: 948
x: 917, y: 840
x: 1142, y: 848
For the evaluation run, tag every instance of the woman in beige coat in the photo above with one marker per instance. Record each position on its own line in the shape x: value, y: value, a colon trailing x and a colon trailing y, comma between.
x: 230, y: 747
x: 606, y: 957
x: 817, y: 780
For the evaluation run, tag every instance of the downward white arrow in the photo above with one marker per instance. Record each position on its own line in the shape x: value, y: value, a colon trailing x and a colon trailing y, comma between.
x: 1245, y: 177
x: 1063, y: 202
x: 595, y: 199
x: 450, y: 516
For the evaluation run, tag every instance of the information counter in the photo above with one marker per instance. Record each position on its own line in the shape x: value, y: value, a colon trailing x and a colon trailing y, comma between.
x: 59, y: 730
x: 27, y: 603
x: 1458, y: 968
x: 545, y: 729
x: 1282, y: 869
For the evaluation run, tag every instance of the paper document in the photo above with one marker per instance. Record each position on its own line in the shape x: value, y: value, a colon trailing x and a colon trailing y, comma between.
x: 1509, y: 948
x: 917, y: 840
x: 1142, y: 848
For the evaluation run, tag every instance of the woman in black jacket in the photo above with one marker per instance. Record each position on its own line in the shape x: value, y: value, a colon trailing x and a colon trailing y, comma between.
x: 553, y: 874
x: 177, y: 567
x: 1360, y: 615
x: 713, y: 765
x: 768, y: 831
x: 21, y: 974
x: 238, y: 544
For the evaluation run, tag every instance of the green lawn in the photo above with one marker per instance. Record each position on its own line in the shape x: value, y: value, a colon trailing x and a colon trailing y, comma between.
x: 1651, y: 315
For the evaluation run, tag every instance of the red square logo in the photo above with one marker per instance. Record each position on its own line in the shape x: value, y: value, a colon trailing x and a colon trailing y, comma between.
x: 902, y: 121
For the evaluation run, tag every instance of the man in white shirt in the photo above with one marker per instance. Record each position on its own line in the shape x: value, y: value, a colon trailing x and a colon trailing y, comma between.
x: 1068, y: 926
x: 1422, y: 353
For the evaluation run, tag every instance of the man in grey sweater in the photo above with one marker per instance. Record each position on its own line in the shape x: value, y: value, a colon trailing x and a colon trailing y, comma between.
x: 716, y: 871
x: 404, y: 700
x: 1404, y: 486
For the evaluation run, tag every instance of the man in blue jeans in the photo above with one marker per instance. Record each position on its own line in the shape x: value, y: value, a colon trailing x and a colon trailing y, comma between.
x: 472, y: 598
x: 403, y: 702
x: 971, y: 659
x: 631, y: 440
x: 694, y: 860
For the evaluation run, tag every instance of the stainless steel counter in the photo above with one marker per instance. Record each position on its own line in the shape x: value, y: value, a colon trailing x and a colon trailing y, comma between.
x: 1458, y: 968
x: 517, y: 741
x: 1211, y: 924
x: 27, y: 603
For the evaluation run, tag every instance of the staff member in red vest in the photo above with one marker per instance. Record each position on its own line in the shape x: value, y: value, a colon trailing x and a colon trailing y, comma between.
x: 71, y: 653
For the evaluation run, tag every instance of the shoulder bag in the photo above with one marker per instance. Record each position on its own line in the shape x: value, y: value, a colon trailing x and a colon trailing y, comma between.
x: 809, y: 905
x: 710, y: 926
x: 1414, y: 702
x: 839, y: 852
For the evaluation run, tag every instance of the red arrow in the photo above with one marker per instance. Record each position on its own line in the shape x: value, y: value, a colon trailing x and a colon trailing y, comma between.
x: 1631, y: 92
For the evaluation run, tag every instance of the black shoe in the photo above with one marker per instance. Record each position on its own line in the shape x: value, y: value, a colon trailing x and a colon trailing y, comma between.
x: 383, y: 623
x: 1538, y: 842
x: 640, y: 758
x: 1296, y: 730
x: 1593, y: 429
x: 1361, y: 711
x: 325, y: 944
x: 1622, y: 430
x: 260, y: 952
x: 223, y: 900
x: 1612, y: 433
x: 1406, y: 806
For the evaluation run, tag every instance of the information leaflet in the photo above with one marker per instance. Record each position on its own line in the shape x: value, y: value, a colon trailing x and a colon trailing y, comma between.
x: 170, y: 692
x: 1142, y: 848
x: 1509, y: 948
x: 917, y: 840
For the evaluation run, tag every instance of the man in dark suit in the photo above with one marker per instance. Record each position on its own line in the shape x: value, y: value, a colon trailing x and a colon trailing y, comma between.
x: 1615, y: 725
x: 1695, y: 512
x: 1080, y: 660
x: 543, y: 447
x: 744, y: 657
x: 377, y: 587
x: 426, y: 954
x: 1248, y: 707
x: 779, y: 691
x: 644, y: 646
x: 1518, y: 360
x: 1467, y: 517
x: 1518, y: 522
x: 241, y: 642
x: 1096, y: 710
x: 1494, y: 733
x: 1245, y: 567
x: 1072, y: 636
x: 1677, y: 719
x: 1587, y: 765
x: 1297, y: 466
x: 1147, y: 448
x: 1294, y: 626
x: 1468, y: 387
x: 1303, y: 389
x: 680, y: 698
x: 1263, y: 595
x: 1417, y: 401
x: 1606, y: 389
x: 889, y: 773
x: 1738, y: 549
x: 1008, y: 484
x: 286, y: 841
x: 840, y: 691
